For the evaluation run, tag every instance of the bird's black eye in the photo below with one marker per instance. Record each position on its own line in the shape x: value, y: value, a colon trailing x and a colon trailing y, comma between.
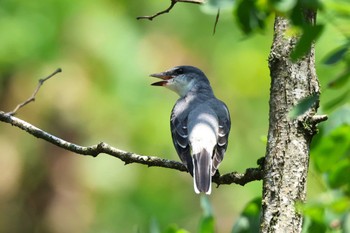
x: 179, y: 71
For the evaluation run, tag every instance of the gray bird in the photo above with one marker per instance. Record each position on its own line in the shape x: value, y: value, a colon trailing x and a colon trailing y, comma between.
x: 200, y: 123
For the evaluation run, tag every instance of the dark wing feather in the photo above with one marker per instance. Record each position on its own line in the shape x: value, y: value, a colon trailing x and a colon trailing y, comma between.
x: 178, y: 124
x: 224, y: 130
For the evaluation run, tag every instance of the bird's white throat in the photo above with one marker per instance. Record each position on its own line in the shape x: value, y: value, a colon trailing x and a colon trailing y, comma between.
x: 181, y: 87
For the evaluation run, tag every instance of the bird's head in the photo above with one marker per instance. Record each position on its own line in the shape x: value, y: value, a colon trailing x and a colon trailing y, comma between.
x: 182, y: 79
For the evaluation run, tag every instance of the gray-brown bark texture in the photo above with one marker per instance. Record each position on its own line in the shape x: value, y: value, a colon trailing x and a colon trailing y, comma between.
x: 287, y: 153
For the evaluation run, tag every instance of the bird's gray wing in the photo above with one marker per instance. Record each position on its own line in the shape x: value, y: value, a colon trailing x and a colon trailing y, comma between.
x: 179, y: 133
x: 224, y: 130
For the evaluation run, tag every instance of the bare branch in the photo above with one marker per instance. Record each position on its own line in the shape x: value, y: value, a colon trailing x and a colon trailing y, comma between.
x: 128, y: 157
x: 173, y: 2
x: 251, y: 174
x: 32, y: 97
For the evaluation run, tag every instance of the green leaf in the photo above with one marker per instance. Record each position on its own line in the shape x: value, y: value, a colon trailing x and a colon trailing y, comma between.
x: 249, y: 221
x: 312, y: 4
x: 341, y: 80
x: 249, y: 17
x: 309, y: 36
x: 297, y: 16
x: 207, y: 225
x: 336, y: 55
x: 303, y: 105
x: 175, y: 229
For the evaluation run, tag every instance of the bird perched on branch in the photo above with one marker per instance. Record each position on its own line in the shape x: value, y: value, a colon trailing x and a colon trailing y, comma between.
x: 200, y: 123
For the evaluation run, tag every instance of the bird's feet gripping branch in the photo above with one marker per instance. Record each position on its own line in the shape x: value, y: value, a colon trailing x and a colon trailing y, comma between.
x: 200, y: 123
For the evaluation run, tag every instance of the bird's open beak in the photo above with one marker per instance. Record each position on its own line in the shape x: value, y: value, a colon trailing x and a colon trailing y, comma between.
x: 163, y: 75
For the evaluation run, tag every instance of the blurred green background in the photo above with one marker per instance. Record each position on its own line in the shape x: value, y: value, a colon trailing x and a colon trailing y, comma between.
x: 104, y: 94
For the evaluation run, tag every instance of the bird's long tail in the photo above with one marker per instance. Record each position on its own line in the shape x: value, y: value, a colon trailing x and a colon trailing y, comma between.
x: 202, y: 164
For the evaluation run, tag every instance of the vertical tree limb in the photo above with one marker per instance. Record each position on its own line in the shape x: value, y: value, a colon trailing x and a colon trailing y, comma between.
x: 287, y: 152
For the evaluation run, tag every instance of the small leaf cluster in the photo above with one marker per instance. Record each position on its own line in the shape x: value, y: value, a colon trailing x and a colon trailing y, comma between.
x: 339, y: 56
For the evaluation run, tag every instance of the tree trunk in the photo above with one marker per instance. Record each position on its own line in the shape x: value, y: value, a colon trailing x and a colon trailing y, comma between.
x: 288, y: 147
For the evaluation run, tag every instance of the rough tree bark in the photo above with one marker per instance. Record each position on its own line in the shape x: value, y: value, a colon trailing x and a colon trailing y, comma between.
x: 287, y: 152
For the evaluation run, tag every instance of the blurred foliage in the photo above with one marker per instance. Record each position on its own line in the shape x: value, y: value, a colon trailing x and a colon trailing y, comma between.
x: 249, y: 221
x: 207, y: 222
x: 330, y: 154
x: 103, y: 94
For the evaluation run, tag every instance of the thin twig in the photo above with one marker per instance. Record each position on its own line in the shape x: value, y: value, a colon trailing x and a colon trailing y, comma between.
x: 172, y: 4
x: 216, y: 21
x: 251, y: 174
x: 32, y: 97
